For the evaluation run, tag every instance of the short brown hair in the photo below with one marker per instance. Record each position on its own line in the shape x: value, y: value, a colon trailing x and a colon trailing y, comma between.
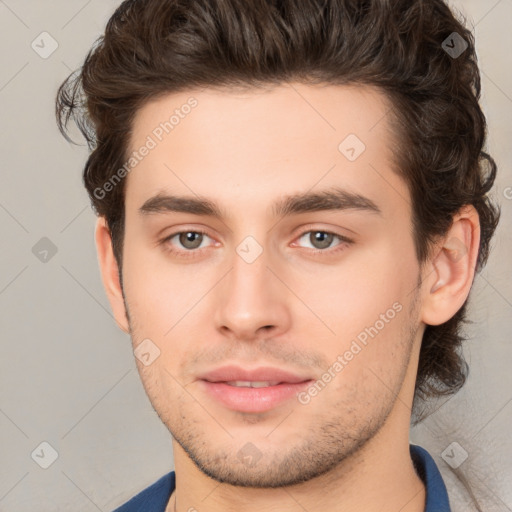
x: 153, y: 47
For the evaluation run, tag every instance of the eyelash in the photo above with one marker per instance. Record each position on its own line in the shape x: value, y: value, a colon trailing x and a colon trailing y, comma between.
x: 191, y: 253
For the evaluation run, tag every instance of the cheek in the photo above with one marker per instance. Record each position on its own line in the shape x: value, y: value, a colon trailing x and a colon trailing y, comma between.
x: 366, y: 369
x: 367, y: 306
x: 160, y: 294
x: 354, y: 295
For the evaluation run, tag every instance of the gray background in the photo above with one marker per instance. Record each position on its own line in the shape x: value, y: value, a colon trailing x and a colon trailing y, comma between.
x: 67, y: 373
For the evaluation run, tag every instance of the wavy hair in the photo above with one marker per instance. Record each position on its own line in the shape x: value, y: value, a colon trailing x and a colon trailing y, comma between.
x: 154, y: 47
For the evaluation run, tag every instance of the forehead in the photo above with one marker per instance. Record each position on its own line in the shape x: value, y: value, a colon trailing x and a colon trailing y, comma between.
x: 263, y: 143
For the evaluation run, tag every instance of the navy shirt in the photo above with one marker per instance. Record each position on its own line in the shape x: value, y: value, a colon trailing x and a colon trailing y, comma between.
x: 156, y: 496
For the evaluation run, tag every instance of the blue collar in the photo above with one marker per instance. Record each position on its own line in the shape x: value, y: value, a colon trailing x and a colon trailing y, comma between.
x: 156, y: 496
x: 437, y: 497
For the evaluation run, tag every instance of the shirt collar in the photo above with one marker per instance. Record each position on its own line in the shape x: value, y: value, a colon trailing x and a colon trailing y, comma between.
x: 426, y: 468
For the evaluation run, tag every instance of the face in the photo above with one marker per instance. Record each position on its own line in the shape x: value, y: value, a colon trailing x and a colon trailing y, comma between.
x: 269, y: 272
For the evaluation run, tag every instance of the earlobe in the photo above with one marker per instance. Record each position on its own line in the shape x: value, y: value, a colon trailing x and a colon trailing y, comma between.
x: 110, y: 273
x: 452, y: 268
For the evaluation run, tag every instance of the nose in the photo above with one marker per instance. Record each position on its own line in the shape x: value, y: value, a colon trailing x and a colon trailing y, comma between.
x: 252, y: 302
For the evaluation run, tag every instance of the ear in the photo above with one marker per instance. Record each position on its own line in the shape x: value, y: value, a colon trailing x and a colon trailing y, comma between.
x: 449, y: 275
x: 110, y: 273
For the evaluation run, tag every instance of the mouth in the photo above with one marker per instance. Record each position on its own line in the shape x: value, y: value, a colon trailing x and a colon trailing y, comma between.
x: 252, y: 391
x: 254, y: 384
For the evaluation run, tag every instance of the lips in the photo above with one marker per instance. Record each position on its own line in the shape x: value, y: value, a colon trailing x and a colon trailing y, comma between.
x: 252, y: 391
x: 266, y: 374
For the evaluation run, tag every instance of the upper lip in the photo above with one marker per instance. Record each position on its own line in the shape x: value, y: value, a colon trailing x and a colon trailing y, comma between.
x: 261, y: 374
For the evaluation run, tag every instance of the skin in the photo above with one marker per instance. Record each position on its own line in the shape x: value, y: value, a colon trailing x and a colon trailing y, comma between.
x: 291, y: 308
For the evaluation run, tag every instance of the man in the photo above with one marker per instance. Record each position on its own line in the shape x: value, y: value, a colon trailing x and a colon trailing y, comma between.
x: 291, y: 202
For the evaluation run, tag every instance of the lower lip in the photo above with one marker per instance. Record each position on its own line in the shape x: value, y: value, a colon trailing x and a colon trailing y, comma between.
x: 255, y: 400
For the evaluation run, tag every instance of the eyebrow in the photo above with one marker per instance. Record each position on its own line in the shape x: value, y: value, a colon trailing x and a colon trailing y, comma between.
x: 331, y: 199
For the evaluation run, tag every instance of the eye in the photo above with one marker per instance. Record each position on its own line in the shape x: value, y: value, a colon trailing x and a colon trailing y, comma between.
x: 322, y: 240
x: 187, y: 243
x: 189, y: 240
